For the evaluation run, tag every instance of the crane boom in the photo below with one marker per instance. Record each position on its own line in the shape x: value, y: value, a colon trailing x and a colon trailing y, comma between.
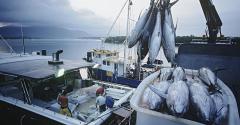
x: 214, y: 22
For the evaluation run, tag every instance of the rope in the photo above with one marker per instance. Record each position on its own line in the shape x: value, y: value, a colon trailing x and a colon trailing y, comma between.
x: 114, y: 22
x: 5, y: 41
x: 117, y: 18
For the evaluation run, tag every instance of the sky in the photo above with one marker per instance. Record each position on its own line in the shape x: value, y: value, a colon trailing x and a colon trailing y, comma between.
x: 96, y: 16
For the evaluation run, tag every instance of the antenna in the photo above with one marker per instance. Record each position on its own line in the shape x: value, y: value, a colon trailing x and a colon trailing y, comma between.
x: 23, y: 43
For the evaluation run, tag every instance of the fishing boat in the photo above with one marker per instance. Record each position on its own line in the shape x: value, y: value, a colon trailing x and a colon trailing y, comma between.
x: 111, y: 67
x: 30, y: 84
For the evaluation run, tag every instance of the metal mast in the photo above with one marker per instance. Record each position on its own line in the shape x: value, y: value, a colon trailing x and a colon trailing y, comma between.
x: 126, y: 41
x: 23, y: 43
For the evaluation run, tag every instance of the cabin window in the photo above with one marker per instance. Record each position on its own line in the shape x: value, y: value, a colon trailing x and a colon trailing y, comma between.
x: 98, y: 56
x: 104, y: 62
x: 108, y: 63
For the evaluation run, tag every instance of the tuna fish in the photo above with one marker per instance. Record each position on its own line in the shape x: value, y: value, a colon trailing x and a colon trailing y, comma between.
x: 136, y: 32
x: 155, y: 42
x: 178, y: 74
x: 147, y: 33
x: 202, y: 103
x: 177, y: 97
x: 221, y: 108
x: 169, y: 34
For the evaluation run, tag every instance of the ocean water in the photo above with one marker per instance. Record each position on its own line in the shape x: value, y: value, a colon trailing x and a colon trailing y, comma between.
x: 73, y: 49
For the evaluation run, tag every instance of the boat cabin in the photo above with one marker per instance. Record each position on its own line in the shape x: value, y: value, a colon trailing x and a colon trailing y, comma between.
x: 108, y: 61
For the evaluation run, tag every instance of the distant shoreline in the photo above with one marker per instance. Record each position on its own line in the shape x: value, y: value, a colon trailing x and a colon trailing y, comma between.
x: 121, y: 39
x: 179, y: 39
x: 51, y: 38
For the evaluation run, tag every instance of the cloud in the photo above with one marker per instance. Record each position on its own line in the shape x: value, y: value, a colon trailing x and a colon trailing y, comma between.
x: 56, y: 13
x: 192, y: 20
x: 96, y: 16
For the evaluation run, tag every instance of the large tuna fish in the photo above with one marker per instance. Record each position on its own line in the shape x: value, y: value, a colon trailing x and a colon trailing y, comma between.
x: 177, y: 97
x: 169, y: 34
x: 147, y: 32
x: 155, y: 42
x: 178, y: 74
x: 138, y: 30
x: 202, y: 103
x: 221, y: 108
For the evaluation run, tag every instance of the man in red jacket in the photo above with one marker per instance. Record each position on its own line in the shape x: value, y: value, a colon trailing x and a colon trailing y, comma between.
x: 63, y: 102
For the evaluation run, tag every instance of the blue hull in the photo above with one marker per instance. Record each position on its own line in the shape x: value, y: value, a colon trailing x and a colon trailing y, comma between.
x: 99, y: 74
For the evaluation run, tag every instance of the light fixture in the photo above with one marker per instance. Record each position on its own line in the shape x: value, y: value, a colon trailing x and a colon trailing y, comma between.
x: 59, y: 73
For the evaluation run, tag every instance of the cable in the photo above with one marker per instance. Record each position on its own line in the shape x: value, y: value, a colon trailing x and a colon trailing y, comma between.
x: 5, y: 41
x: 115, y: 20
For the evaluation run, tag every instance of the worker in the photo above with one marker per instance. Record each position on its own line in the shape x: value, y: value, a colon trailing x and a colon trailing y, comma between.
x: 100, y: 91
x: 100, y: 100
x: 63, y: 102
x: 109, y: 102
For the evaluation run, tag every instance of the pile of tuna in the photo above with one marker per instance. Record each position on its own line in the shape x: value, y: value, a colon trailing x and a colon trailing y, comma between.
x: 153, y: 29
x: 194, y: 97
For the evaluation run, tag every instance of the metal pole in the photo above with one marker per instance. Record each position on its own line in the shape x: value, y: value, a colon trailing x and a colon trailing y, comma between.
x: 126, y: 42
x: 23, y: 43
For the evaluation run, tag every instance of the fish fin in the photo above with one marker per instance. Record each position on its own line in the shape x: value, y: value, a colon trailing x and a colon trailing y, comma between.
x: 140, y: 14
x: 173, y: 3
x: 225, y: 105
x: 149, y: 62
x: 159, y: 33
x: 156, y: 91
x: 175, y: 28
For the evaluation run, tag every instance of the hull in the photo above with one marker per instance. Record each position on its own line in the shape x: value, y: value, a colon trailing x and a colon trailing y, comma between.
x: 102, y: 75
x: 13, y: 115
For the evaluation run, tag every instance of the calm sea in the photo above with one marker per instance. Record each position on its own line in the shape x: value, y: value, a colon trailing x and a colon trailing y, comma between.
x: 73, y: 49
